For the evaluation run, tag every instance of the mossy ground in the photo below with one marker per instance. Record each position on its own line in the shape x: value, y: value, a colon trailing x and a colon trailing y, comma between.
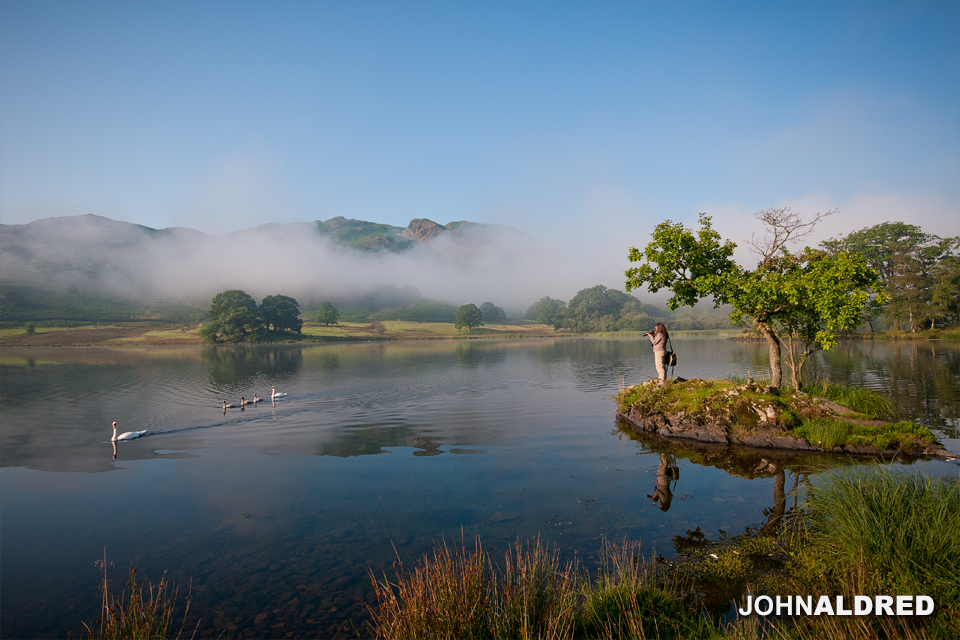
x: 745, y: 407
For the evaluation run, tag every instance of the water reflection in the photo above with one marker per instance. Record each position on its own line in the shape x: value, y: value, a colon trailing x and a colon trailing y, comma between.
x: 667, y: 472
x: 237, y: 366
x: 277, y: 512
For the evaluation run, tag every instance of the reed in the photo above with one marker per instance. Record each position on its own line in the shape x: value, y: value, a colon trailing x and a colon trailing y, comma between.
x: 463, y: 594
x: 628, y: 599
x: 142, y: 611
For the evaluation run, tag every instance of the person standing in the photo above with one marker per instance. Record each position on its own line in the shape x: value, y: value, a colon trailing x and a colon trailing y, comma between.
x: 658, y: 340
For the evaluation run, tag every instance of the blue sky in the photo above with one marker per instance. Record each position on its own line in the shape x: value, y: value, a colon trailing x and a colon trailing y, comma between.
x: 543, y: 115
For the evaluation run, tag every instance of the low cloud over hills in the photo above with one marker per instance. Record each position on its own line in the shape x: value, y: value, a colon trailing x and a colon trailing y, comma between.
x: 336, y: 258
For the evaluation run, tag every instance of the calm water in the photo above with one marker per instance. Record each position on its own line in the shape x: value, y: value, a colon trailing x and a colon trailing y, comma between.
x: 276, y: 513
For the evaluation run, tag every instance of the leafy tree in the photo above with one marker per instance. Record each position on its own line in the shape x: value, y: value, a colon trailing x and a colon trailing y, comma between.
x: 905, y: 258
x: 233, y: 317
x: 946, y: 285
x: 803, y: 299
x: 283, y: 312
x: 327, y: 314
x: 548, y: 311
x: 492, y: 313
x: 596, y: 309
x: 469, y: 316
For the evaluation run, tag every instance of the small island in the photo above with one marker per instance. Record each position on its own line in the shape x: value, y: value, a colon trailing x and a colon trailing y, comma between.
x: 756, y: 415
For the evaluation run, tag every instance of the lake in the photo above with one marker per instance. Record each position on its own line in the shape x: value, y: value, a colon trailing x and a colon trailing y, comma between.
x: 273, y: 516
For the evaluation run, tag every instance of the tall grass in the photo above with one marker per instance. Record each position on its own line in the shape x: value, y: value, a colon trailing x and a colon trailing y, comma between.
x: 142, y: 611
x: 859, y: 399
x: 627, y: 600
x: 877, y: 531
x: 461, y: 594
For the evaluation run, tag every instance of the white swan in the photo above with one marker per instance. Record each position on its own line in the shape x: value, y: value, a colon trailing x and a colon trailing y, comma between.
x: 274, y: 394
x: 129, y: 435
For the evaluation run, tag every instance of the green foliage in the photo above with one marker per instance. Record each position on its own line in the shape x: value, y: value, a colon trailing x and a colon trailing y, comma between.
x: 690, y: 266
x: 859, y: 399
x: 327, y: 314
x: 30, y: 328
x: 364, y: 236
x: 24, y: 304
x: 492, y: 313
x: 422, y: 310
x: 468, y: 316
x: 802, y: 299
x: 548, y: 311
x: 234, y: 316
x: 595, y: 309
x: 877, y: 531
x: 283, y: 312
x: 918, y: 272
x: 828, y: 433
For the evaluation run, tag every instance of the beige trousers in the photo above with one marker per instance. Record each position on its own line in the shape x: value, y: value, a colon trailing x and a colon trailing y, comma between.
x: 660, y: 359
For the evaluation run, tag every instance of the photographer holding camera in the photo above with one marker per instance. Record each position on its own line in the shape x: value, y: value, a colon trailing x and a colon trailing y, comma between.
x: 658, y: 340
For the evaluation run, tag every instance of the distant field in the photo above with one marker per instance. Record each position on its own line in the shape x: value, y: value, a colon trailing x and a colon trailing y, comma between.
x: 121, y: 334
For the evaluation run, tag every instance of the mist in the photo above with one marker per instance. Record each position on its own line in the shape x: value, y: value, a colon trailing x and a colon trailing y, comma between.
x: 496, y: 263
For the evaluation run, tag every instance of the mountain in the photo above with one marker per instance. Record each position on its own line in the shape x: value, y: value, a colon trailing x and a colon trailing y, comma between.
x: 96, y: 256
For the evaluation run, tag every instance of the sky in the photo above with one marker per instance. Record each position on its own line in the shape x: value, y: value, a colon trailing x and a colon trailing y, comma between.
x: 581, y: 123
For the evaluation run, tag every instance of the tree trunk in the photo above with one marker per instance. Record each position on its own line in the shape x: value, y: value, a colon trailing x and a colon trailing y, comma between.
x: 773, y: 341
x: 896, y: 323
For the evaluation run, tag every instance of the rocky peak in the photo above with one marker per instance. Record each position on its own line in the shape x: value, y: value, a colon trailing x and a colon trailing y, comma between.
x: 422, y: 229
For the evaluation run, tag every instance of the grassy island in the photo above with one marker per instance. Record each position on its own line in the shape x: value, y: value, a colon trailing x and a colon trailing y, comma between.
x: 828, y: 417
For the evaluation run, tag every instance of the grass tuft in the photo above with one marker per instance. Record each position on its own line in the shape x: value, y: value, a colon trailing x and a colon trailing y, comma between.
x: 859, y: 399
x: 142, y: 611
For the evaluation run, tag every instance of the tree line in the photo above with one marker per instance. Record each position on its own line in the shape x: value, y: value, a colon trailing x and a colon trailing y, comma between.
x: 919, y: 273
x: 599, y: 309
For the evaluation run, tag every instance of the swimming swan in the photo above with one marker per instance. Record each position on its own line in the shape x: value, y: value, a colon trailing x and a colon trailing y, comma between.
x: 129, y: 435
x: 228, y: 406
x: 274, y: 394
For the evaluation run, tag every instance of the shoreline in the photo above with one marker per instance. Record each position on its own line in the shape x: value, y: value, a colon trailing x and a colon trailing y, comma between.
x: 138, y: 335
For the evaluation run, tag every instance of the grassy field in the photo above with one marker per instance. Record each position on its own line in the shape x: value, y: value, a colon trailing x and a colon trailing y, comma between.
x: 137, y: 334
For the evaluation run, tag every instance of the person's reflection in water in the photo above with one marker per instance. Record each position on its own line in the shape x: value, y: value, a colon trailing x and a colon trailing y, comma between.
x: 666, y: 472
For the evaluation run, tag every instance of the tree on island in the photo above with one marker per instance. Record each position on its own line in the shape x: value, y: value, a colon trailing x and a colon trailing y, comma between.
x: 795, y: 300
x: 469, y: 316
x: 283, y: 312
x: 234, y: 315
x: 327, y: 314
